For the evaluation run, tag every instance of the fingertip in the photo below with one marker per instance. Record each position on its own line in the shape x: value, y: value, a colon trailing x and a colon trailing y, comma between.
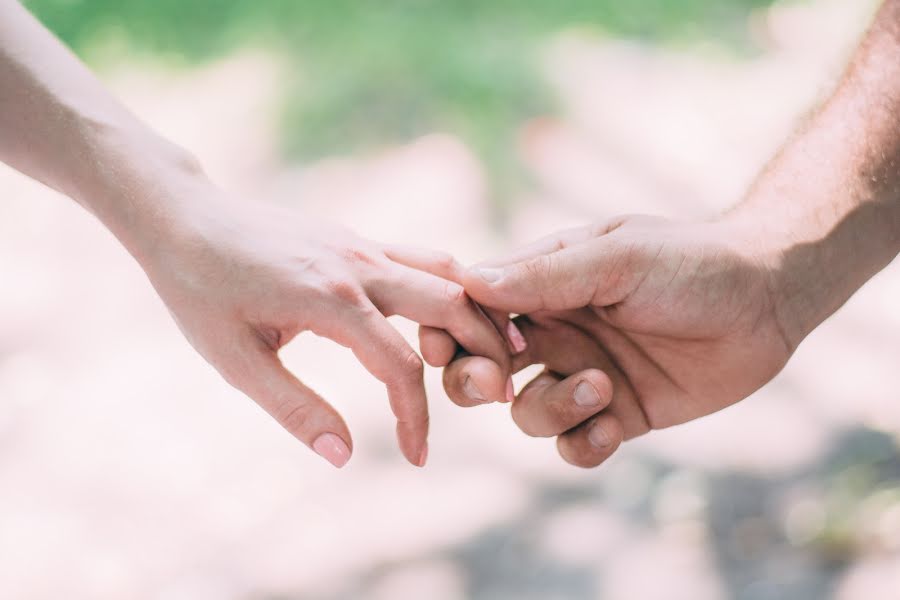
x: 590, y: 444
x: 507, y: 289
x: 483, y: 381
x: 413, y: 442
x: 423, y: 456
x: 437, y: 346
x: 474, y: 380
x: 472, y: 391
x: 332, y: 448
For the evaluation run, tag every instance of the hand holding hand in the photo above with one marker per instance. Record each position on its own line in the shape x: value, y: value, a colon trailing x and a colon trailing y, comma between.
x: 642, y: 323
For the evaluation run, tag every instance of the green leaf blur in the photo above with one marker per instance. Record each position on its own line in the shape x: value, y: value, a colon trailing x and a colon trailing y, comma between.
x: 365, y: 73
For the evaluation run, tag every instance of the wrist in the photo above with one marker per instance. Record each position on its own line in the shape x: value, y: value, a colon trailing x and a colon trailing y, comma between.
x: 767, y: 246
x: 140, y: 186
x: 813, y: 264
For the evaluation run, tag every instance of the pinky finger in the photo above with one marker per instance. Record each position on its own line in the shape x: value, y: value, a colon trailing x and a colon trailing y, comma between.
x: 592, y: 442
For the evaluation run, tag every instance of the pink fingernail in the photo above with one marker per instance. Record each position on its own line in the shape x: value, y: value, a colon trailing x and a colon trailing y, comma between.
x: 516, y: 338
x: 332, y: 448
x: 510, y: 393
x: 423, y: 456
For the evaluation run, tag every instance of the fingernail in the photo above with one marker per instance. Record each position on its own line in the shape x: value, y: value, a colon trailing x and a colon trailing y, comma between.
x: 586, y: 395
x: 598, y: 437
x: 332, y: 448
x: 516, y: 338
x: 423, y: 456
x: 471, y: 390
x: 490, y: 274
x: 510, y: 393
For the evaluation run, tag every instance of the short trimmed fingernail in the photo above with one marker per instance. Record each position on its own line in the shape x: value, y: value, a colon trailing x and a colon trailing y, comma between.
x: 586, y: 395
x: 516, y: 339
x: 510, y: 392
x: 423, y: 456
x: 597, y: 436
x: 332, y: 448
x: 471, y: 390
x: 490, y: 274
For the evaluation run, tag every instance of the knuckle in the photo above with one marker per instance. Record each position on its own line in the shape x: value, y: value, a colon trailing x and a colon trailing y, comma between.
x: 416, y: 421
x: 235, y: 369
x: 570, y: 237
x: 598, y: 228
x: 230, y: 374
x: 190, y: 163
x: 345, y: 291
x: 411, y: 366
x: 294, y: 416
x: 359, y: 256
x: 540, y: 268
x: 446, y: 263
x: 601, y: 227
x: 308, y: 266
x: 455, y: 295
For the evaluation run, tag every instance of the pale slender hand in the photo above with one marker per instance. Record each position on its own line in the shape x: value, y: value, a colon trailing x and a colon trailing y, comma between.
x: 243, y: 280
x: 240, y: 279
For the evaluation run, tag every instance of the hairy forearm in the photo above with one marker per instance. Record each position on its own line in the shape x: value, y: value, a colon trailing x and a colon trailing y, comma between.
x: 825, y: 213
x: 60, y: 126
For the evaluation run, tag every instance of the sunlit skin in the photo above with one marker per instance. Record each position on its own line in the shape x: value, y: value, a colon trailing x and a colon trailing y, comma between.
x: 642, y: 322
x: 240, y: 278
x: 669, y: 321
x: 242, y: 281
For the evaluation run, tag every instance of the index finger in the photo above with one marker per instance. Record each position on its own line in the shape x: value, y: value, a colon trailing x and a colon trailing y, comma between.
x: 439, y: 303
x: 443, y: 265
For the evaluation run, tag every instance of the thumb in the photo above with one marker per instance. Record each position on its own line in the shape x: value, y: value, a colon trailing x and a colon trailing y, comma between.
x: 259, y: 373
x: 569, y: 278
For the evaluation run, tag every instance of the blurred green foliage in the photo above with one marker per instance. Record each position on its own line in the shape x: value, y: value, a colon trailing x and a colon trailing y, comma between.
x: 365, y: 72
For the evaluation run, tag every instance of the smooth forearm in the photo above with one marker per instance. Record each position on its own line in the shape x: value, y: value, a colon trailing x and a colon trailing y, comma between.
x: 60, y: 126
x: 825, y: 213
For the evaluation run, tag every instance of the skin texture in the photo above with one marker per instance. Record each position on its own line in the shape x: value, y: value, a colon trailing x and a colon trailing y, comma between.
x: 245, y: 283
x: 677, y: 322
x: 641, y: 322
x: 241, y: 279
x: 684, y: 319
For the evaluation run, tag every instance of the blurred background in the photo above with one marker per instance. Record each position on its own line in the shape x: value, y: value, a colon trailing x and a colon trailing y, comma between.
x: 128, y: 469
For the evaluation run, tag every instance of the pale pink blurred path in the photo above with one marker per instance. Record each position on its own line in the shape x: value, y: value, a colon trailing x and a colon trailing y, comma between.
x: 129, y: 470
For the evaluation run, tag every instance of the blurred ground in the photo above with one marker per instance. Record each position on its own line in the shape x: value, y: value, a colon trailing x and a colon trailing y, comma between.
x: 128, y: 469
